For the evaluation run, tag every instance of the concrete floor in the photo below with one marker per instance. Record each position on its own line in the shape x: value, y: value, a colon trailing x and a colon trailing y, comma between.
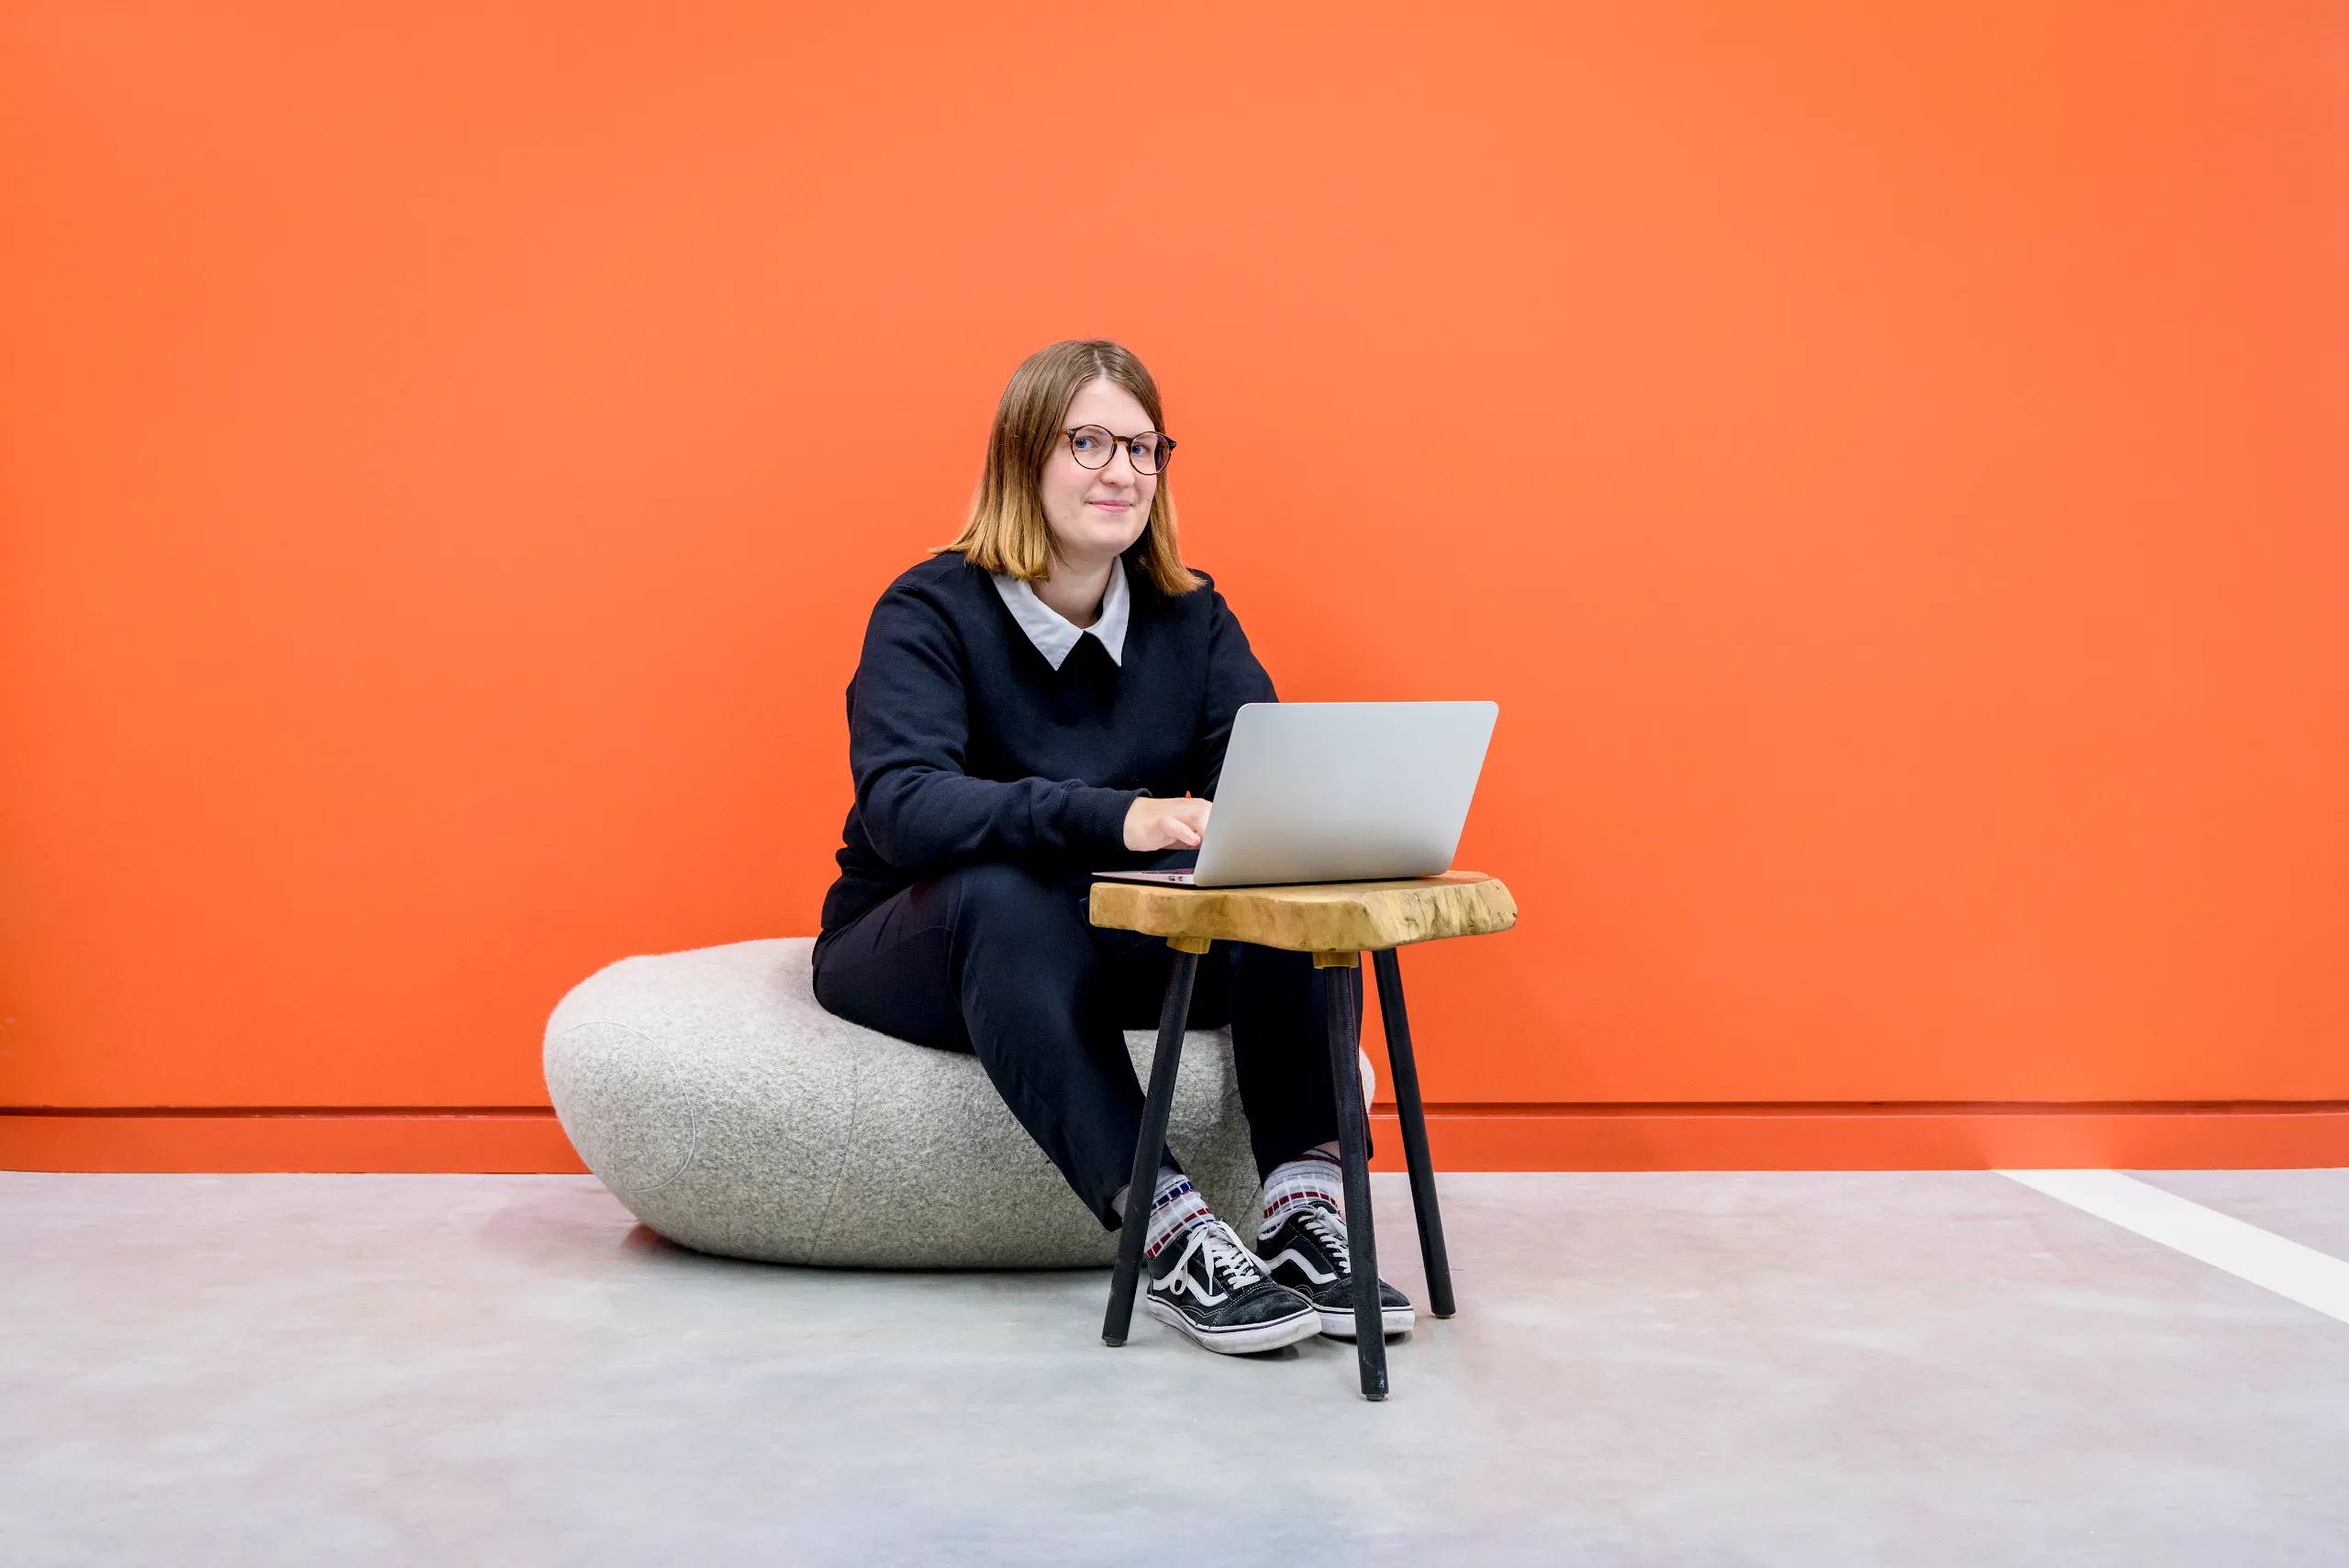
x: 1692, y: 1370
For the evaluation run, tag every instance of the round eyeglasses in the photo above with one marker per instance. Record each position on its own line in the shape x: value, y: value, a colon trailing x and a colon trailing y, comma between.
x: 1093, y: 447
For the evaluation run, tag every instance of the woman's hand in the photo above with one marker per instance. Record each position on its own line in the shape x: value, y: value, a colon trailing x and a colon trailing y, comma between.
x: 1154, y: 824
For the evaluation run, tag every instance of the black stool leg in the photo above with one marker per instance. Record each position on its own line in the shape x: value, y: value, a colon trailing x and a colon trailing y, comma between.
x: 1155, y: 1108
x: 1338, y: 993
x: 1406, y: 1070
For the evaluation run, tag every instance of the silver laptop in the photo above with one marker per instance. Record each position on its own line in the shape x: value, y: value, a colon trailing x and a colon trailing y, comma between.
x: 1339, y: 792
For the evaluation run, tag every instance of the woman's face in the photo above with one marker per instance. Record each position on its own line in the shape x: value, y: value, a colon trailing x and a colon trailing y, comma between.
x: 1096, y: 513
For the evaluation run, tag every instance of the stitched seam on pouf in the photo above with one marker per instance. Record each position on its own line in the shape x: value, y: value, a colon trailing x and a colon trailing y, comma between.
x: 700, y: 1117
x: 821, y: 1230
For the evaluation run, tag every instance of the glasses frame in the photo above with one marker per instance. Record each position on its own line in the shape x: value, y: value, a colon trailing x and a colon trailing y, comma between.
x: 1165, y: 449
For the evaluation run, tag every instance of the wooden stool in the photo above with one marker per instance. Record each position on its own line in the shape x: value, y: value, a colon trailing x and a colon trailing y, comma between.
x: 1337, y: 923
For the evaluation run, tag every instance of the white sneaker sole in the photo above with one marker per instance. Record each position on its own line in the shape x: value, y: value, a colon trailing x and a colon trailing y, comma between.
x: 1254, y: 1338
x: 1340, y: 1325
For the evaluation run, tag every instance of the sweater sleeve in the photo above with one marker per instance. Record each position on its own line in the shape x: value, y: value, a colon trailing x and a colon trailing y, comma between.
x: 908, y: 740
x: 1234, y: 680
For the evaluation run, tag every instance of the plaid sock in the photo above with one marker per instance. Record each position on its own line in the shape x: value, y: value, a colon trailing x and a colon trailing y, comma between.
x: 1174, y: 1213
x: 1311, y: 1177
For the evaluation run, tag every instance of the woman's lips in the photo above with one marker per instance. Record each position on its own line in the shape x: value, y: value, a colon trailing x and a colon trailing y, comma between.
x: 1112, y: 505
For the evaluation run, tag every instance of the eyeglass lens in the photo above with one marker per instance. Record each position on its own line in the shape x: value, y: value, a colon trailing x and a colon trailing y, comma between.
x: 1093, y: 447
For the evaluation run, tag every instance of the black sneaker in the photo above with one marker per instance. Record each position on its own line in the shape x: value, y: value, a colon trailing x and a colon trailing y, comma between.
x: 1307, y: 1251
x: 1209, y: 1286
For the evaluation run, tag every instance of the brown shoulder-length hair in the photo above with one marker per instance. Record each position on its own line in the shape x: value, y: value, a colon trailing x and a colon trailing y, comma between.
x: 1006, y: 532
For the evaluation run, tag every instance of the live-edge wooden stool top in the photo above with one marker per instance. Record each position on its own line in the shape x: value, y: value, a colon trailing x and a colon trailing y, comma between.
x: 1336, y: 922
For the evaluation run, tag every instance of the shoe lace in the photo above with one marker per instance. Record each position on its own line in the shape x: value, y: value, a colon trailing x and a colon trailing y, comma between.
x: 1227, y: 1263
x: 1325, y: 1226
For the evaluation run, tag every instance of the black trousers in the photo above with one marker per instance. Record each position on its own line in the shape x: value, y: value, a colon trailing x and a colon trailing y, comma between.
x: 998, y: 960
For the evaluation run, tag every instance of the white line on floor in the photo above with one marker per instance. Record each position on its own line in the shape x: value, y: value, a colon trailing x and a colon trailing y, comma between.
x: 2300, y: 1274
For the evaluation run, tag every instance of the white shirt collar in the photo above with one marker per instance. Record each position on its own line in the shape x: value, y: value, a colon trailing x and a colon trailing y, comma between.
x: 1053, y: 634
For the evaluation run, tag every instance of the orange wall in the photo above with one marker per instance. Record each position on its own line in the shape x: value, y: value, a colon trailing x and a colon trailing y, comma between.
x: 1886, y: 462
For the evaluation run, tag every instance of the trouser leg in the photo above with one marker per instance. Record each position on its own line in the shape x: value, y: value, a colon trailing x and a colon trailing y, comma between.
x: 1280, y: 1036
x: 1279, y: 1031
x: 1273, y: 1003
x: 996, y: 960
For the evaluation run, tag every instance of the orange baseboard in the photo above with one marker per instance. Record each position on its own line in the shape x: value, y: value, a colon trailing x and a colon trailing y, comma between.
x: 1829, y: 1137
x: 2158, y: 1135
x: 496, y: 1139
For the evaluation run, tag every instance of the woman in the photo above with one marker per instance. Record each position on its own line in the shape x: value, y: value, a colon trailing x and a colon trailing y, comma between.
x: 1050, y: 695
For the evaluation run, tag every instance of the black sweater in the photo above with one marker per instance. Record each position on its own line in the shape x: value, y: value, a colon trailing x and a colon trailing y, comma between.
x: 967, y: 746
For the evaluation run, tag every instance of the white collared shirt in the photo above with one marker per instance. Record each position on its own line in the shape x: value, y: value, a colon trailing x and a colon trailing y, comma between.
x: 1055, y: 635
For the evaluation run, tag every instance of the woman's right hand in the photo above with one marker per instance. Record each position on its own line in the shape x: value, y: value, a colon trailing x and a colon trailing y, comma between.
x: 1152, y: 824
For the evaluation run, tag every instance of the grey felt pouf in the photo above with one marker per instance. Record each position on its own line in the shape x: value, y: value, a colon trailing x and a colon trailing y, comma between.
x: 731, y: 1114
